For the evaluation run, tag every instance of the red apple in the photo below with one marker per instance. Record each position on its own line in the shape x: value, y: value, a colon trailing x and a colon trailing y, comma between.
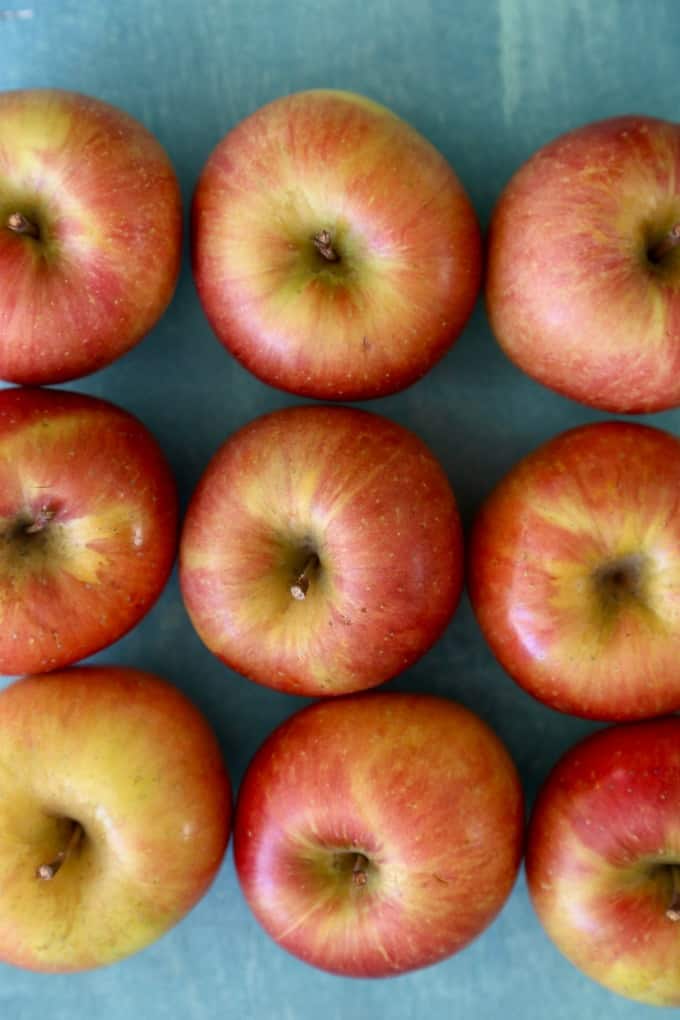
x: 583, y: 285
x: 322, y: 551
x: 90, y: 234
x: 603, y: 859
x: 575, y: 572
x: 88, y: 517
x: 378, y: 833
x: 114, y: 809
x: 335, y: 251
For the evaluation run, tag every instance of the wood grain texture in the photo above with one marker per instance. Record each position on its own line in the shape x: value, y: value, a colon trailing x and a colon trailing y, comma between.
x: 488, y: 82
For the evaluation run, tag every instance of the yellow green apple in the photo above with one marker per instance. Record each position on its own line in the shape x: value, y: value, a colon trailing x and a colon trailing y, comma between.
x: 114, y: 811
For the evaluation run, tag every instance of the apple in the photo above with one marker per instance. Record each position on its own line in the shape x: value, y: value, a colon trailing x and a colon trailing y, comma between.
x: 378, y: 833
x: 574, y: 572
x: 322, y: 551
x: 88, y: 520
x: 335, y: 251
x: 90, y: 234
x: 583, y: 283
x: 603, y: 858
x: 115, y: 813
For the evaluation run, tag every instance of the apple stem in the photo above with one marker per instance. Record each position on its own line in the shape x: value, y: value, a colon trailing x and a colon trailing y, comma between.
x: 300, y: 585
x: 665, y: 246
x: 323, y: 242
x: 48, y: 871
x: 41, y: 521
x: 359, y: 876
x: 21, y: 224
x: 673, y: 909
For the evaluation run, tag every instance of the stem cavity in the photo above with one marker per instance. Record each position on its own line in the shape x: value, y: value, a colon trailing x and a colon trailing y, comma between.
x: 46, y: 872
x: 658, y: 252
x: 20, y: 224
x: 323, y: 242
x: 621, y: 579
x: 300, y: 585
x: 42, y: 519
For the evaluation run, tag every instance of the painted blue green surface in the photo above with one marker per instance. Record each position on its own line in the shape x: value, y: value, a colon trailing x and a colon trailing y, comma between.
x: 488, y: 83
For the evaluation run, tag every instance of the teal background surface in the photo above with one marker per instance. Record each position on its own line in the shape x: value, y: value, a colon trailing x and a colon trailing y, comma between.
x: 488, y: 82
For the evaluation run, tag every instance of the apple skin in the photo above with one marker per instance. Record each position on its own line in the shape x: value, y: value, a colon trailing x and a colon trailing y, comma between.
x: 574, y: 572
x: 407, y: 237
x: 130, y: 759
x: 572, y: 296
x: 88, y: 527
x: 417, y: 786
x: 105, y: 197
x: 370, y: 500
x: 603, y: 841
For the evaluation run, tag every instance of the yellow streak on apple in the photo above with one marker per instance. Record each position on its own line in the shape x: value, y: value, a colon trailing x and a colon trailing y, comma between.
x: 625, y: 537
x: 30, y: 133
x: 577, y: 591
x: 571, y: 513
x: 263, y: 499
x: 28, y: 444
x: 626, y: 533
x: 81, y: 560
x: 70, y: 549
